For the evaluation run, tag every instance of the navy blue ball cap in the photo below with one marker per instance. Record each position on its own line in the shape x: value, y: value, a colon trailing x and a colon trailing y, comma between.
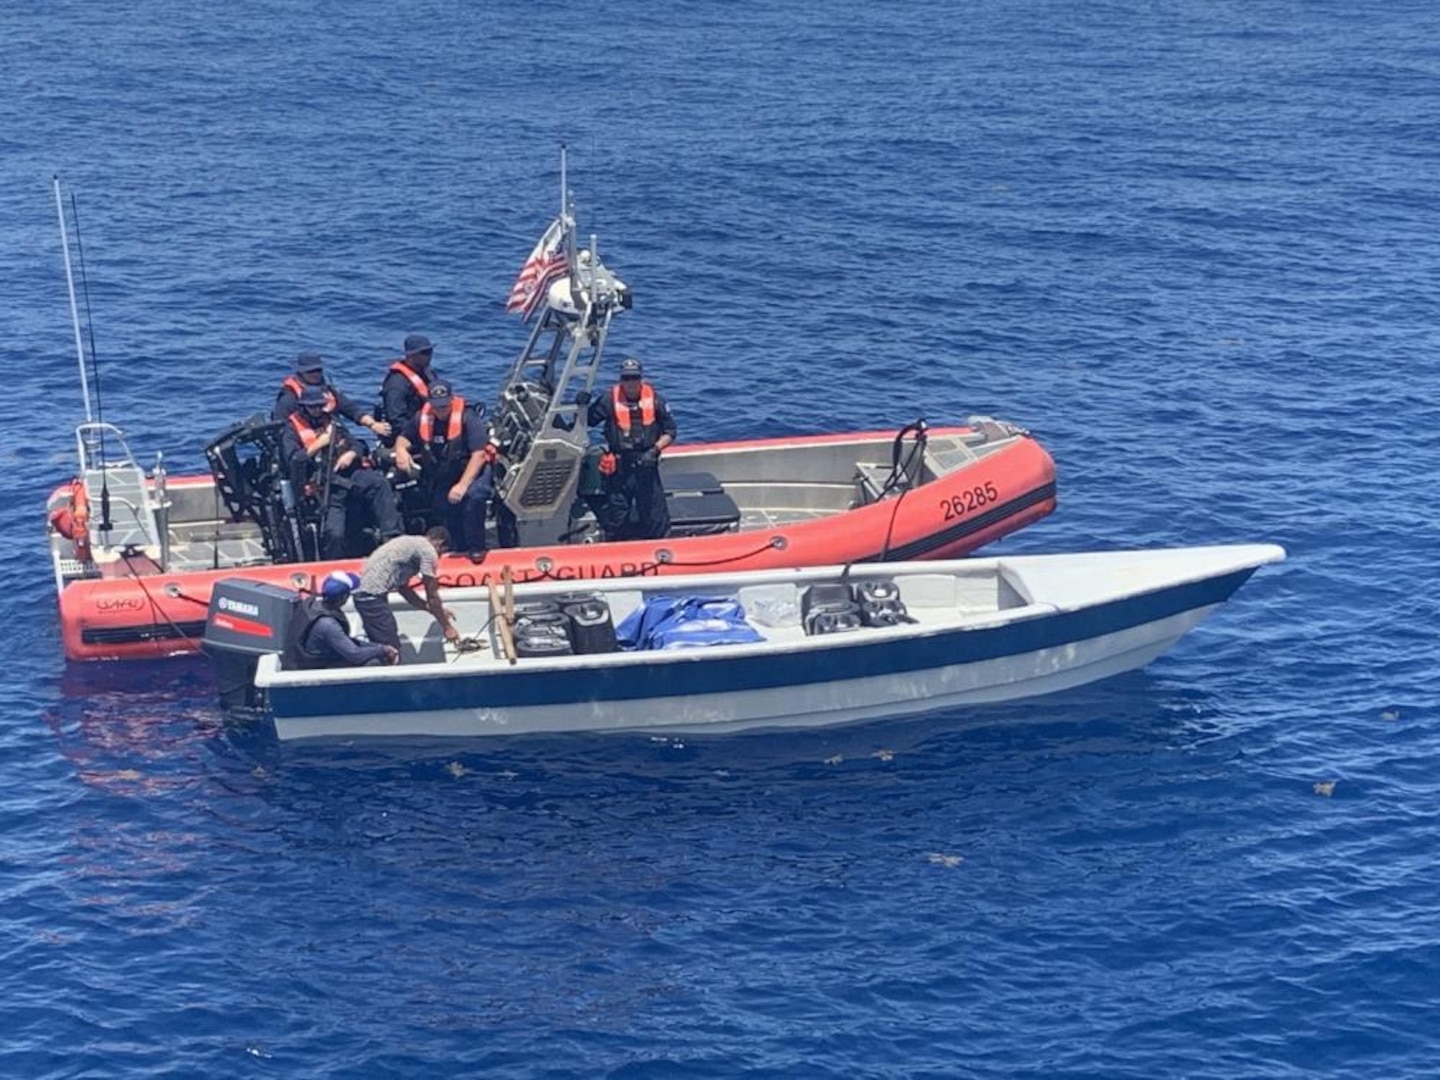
x: 631, y: 368
x: 417, y: 343
x: 440, y: 392
x: 307, y: 362
x: 314, y: 397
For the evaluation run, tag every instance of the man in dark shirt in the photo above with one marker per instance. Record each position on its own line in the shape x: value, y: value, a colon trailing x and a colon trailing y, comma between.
x: 324, y: 462
x: 407, y: 382
x: 322, y: 638
x: 454, y: 453
x: 638, y: 428
x: 310, y: 371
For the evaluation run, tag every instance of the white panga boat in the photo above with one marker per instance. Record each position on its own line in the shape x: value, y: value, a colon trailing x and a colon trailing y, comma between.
x: 832, y: 645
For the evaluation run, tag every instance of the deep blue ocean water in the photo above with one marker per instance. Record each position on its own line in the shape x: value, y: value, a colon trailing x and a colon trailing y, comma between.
x: 1195, y: 248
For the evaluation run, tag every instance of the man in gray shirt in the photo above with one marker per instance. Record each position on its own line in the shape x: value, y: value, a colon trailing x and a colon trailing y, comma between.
x: 390, y: 568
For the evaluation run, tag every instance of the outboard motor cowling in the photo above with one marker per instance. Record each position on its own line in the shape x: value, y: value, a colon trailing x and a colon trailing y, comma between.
x: 246, y: 620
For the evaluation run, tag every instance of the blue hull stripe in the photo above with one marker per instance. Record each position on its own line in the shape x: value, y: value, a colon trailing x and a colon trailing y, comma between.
x: 516, y: 689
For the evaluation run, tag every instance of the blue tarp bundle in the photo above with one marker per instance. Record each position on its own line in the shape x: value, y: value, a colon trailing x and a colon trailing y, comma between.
x: 683, y: 622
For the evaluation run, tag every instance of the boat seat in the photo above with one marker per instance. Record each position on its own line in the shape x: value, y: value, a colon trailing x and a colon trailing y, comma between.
x: 698, y: 505
x: 870, y: 482
x: 702, y: 515
x: 690, y: 483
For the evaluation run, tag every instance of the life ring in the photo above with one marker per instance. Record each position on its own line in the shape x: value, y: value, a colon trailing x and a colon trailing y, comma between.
x: 80, y: 520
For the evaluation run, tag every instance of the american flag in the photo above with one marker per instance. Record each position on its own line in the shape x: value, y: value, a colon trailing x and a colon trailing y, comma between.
x: 545, y: 264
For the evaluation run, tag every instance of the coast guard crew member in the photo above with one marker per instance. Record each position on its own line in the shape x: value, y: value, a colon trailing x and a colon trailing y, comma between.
x: 310, y: 371
x: 455, y: 453
x: 638, y: 428
x: 313, y: 439
x: 406, y: 386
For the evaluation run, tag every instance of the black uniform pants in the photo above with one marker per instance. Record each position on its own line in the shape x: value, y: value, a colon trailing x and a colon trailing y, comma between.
x: 466, y: 519
x: 507, y: 526
x: 364, y: 492
x: 635, y: 502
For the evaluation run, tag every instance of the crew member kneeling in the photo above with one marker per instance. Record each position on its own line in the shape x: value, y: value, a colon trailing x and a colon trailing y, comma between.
x: 323, y: 459
x: 454, y: 453
x: 638, y: 427
x: 322, y: 636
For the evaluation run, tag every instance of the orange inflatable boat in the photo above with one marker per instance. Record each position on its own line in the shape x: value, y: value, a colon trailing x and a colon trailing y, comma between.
x: 136, y: 555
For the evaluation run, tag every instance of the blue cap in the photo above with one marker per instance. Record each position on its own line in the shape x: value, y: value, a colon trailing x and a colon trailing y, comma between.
x: 314, y: 397
x: 307, y: 362
x: 339, y: 584
x: 631, y: 368
x: 415, y: 343
x: 440, y: 392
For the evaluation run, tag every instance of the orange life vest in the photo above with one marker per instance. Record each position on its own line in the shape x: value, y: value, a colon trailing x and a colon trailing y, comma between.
x: 623, y: 406
x: 452, y: 430
x: 296, y: 387
x: 412, y: 377
x: 80, y: 519
x: 307, y: 434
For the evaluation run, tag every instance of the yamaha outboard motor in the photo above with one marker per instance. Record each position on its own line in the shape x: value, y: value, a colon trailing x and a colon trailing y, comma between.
x: 247, y: 620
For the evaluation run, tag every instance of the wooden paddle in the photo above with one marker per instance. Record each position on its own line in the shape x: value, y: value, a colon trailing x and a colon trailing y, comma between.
x: 502, y: 618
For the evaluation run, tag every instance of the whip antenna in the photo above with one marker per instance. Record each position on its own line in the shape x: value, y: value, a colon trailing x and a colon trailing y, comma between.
x: 105, y: 523
x: 74, y: 311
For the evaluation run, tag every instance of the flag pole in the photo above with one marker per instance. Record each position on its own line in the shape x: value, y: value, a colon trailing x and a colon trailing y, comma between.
x: 563, y: 180
x: 567, y: 222
x: 567, y: 225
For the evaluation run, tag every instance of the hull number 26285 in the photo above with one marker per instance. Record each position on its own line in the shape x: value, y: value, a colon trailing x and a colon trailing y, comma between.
x: 968, y: 501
